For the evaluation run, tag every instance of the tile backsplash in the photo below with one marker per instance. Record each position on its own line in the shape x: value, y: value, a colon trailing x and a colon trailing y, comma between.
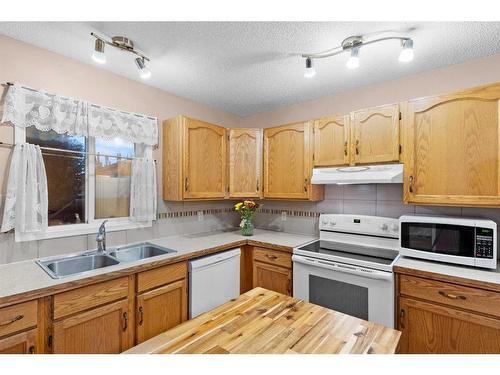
x: 300, y: 217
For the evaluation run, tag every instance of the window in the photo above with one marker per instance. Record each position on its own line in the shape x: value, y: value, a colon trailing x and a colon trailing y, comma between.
x: 112, y: 178
x: 65, y: 175
x: 87, y: 182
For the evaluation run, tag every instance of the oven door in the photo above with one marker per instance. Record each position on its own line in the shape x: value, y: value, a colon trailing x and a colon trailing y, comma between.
x: 357, y: 291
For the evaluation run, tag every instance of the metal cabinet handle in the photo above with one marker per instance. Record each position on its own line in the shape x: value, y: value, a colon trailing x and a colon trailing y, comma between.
x: 257, y: 185
x: 345, y: 148
x: 357, y: 146
x: 305, y: 184
x: 13, y: 320
x: 402, y: 314
x: 270, y: 256
x: 451, y: 295
x: 141, y: 316
x: 125, y: 321
x: 410, y: 188
x: 186, y: 184
x: 32, y: 349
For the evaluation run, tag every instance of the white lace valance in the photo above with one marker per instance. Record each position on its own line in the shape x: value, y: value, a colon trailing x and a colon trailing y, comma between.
x: 109, y: 123
x: 28, y: 107
x: 25, y: 107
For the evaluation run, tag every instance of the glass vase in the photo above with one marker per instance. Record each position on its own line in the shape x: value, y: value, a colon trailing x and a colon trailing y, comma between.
x: 246, y: 227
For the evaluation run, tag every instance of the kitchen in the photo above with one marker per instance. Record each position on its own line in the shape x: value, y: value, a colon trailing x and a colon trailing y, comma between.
x: 144, y: 214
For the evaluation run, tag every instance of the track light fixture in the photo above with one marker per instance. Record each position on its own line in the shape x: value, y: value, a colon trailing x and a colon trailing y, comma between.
x: 407, y: 51
x: 310, y: 71
x: 123, y: 43
x: 98, y: 55
x: 144, y: 72
x: 352, y: 45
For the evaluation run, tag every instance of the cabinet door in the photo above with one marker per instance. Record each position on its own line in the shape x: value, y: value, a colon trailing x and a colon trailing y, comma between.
x: 271, y: 277
x: 287, y: 161
x: 430, y: 328
x: 331, y: 141
x: 451, y: 144
x: 245, y: 163
x: 376, y: 134
x: 102, y: 330
x: 204, y: 160
x: 161, y: 309
x: 21, y: 343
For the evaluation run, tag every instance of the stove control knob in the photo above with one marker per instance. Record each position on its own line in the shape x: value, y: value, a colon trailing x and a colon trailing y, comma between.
x: 384, y: 226
x: 333, y: 223
x: 395, y: 227
x: 324, y: 222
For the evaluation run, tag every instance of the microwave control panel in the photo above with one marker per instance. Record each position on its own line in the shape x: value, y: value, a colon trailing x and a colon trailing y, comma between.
x: 484, y: 243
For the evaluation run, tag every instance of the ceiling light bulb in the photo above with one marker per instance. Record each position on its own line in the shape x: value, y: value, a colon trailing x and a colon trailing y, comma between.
x: 98, y: 55
x: 310, y: 71
x: 144, y: 72
x: 407, y: 51
x: 353, y: 61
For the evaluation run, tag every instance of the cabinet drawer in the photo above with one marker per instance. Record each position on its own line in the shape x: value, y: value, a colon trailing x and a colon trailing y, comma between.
x: 277, y: 258
x: 479, y: 300
x: 160, y: 276
x: 18, y: 317
x: 85, y: 298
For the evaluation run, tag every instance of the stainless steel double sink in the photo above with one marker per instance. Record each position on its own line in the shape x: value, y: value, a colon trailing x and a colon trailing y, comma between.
x: 75, y: 265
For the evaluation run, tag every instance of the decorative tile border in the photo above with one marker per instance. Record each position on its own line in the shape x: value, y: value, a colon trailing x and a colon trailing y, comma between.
x: 218, y: 211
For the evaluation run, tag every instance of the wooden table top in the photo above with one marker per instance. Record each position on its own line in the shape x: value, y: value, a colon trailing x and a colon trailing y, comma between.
x: 265, y: 322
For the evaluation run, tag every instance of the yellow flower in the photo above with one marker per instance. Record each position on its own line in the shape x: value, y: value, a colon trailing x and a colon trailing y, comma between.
x: 237, y: 206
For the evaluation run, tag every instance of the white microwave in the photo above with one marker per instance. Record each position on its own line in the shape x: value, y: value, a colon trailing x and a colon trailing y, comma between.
x: 467, y: 241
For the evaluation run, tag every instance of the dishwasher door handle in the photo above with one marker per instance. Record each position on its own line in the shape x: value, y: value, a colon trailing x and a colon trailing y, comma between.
x: 344, y: 268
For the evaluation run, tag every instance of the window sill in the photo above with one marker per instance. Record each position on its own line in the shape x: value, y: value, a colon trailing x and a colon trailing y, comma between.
x: 69, y: 230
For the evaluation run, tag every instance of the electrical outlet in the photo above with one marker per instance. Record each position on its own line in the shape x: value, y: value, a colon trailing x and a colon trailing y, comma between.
x: 283, y: 215
x: 200, y: 215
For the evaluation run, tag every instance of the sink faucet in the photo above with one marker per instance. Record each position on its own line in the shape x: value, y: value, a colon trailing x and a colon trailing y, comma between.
x: 101, y: 238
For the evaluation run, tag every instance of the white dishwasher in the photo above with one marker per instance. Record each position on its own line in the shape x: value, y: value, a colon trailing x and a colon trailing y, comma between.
x: 213, y: 280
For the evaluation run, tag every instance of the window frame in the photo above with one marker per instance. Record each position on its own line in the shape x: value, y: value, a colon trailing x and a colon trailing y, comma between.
x: 92, y: 224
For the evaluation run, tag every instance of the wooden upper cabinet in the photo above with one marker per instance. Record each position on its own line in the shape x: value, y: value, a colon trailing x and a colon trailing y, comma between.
x: 375, y: 134
x: 245, y: 163
x: 194, y: 160
x: 331, y: 141
x: 288, y: 163
x: 452, y: 148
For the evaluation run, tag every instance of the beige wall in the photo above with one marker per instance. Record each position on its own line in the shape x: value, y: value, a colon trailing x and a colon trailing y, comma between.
x: 39, y: 68
x: 443, y: 80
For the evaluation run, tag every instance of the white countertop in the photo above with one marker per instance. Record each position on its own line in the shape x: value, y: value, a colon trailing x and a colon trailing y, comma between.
x: 471, y: 273
x: 27, y: 276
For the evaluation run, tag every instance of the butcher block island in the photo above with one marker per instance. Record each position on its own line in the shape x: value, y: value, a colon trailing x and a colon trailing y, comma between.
x: 265, y: 322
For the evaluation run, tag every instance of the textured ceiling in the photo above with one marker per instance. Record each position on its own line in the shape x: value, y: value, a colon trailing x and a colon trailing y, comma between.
x: 249, y: 67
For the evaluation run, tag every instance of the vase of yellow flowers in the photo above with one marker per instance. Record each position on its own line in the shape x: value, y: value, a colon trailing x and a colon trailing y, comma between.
x: 247, y: 210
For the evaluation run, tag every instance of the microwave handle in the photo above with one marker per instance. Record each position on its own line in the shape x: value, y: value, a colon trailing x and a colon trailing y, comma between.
x: 339, y: 267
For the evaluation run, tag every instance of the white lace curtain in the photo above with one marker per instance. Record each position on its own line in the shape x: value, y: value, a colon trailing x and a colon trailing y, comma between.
x: 143, y: 190
x: 27, y: 107
x: 26, y: 203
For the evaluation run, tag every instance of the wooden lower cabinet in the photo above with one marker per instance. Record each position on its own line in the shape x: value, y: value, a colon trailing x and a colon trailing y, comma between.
x: 431, y: 328
x: 278, y: 279
x: 20, y: 343
x: 439, y: 316
x: 161, y: 309
x: 102, y: 330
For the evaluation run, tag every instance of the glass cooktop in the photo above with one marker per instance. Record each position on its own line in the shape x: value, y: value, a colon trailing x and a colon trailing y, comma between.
x: 350, y: 252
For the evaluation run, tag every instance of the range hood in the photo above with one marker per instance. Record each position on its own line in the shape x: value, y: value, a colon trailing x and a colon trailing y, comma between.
x: 366, y: 174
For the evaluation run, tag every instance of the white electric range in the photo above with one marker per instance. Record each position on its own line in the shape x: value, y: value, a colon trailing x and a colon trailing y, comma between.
x: 349, y: 269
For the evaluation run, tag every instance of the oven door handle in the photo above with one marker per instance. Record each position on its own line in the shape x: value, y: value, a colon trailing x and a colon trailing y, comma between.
x: 344, y: 268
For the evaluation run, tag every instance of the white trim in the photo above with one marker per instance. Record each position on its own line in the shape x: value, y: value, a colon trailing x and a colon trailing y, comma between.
x: 92, y: 224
